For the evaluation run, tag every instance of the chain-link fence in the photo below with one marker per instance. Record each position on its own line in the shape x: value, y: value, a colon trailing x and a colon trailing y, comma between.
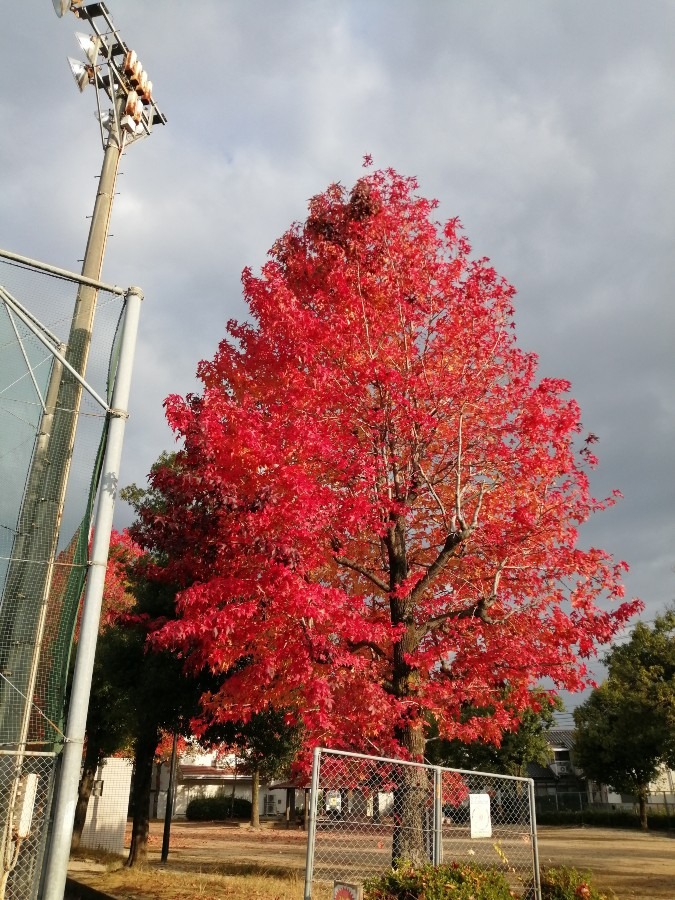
x: 568, y: 801
x: 367, y: 812
x: 52, y: 434
x: 26, y: 783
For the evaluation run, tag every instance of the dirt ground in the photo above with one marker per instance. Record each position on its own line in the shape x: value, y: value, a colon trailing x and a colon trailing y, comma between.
x: 632, y: 864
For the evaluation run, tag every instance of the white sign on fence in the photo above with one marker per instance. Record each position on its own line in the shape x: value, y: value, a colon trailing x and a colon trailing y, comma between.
x: 479, y: 809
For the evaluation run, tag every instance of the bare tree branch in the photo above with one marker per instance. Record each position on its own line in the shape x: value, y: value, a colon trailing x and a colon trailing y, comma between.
x: 479, y: 611
x: 458, y: 482
x: 453, y: 540
x: 433, y: 492
x: 357, y: 567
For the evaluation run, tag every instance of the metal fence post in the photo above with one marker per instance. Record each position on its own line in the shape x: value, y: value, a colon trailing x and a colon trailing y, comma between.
x: 311, y: 835
x: 536, y: 875
x: 56, y: 865
x: 438, y: 816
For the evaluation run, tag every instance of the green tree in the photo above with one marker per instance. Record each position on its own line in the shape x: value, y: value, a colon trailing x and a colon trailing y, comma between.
x: 110, y: 719
x: 164, y: 696
x: 519, y: 746
x: 266, y: 744
x: 626, y: 729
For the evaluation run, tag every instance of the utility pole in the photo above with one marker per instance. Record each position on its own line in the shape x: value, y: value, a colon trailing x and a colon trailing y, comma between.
x: 114, y: 71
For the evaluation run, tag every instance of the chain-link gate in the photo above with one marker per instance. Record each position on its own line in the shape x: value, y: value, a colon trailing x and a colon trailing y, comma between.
x: 53, y: 426
x: 367, y: 812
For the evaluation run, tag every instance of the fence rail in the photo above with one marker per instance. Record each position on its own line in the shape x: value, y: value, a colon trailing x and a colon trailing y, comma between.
x: 367, y: 813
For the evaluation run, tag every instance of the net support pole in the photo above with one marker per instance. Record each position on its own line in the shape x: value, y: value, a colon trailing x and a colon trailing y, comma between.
x: 64, y: 807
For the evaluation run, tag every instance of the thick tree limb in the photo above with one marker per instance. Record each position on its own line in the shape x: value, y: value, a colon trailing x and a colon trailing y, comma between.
x: 357, y: 567
x: 367, y: 645
x: 479, y: 611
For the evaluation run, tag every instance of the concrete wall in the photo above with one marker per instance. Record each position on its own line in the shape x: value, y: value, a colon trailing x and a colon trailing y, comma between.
x: 108, y: 807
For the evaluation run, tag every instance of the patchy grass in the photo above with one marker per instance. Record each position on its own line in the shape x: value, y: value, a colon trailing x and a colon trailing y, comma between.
x: 109, y: 861
x: 224, y: 881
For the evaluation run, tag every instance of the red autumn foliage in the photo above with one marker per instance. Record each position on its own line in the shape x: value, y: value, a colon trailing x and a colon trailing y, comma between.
x: 377, y: 502
x: 117, y: 598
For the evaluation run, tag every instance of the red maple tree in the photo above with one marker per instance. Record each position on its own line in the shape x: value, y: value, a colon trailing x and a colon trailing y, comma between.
x: 376, y: 503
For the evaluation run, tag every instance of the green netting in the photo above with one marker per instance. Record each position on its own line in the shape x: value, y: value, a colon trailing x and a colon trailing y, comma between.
x: 52, y: 440
x: 57, y: 673
x: 52, y: 435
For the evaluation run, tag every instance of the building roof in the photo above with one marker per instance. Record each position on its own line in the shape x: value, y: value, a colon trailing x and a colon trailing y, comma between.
x: 561, y: 737
x: 536, y: 770
x: 288, y: 785
x: 210, y: 773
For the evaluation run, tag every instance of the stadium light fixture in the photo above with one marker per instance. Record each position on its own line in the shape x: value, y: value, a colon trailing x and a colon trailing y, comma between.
x: 82, y: 73
x: 62, y: 6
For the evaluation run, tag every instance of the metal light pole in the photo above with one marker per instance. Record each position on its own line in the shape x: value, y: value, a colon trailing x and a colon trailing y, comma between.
x: 133, y: 115
x: 114, y: 71
x: 46, y: 485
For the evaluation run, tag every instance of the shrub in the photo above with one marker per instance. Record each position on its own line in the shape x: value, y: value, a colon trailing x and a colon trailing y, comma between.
x: 564, y: 883
x: 206, y: 809
x: 456, y: 881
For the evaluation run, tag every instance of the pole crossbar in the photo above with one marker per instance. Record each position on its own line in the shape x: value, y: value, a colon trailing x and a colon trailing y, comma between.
x: 61, y: 273
x: 30, y: 322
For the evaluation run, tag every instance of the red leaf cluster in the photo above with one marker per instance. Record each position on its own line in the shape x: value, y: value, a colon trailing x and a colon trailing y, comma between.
x: 117, y: 597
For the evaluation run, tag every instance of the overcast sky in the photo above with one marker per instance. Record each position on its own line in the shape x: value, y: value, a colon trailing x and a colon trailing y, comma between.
x: 547, y: 126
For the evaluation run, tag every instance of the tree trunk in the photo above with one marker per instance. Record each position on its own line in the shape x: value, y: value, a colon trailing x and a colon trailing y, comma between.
x: 412, y: 797
x: 255, y: 799
x: 92, y: 758
x: 642, y: 802
x: 234, y: 788
x: 412, y: 794
x: 146, y: 744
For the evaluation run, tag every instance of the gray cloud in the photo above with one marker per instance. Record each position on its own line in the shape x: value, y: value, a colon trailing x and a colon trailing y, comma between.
x: 547, y: 127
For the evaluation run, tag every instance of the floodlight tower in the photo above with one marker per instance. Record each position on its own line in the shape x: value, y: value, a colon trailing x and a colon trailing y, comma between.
x: 127, y: 113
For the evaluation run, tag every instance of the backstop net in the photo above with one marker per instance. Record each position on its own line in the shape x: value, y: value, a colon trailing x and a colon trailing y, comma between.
x: 56, y: 376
